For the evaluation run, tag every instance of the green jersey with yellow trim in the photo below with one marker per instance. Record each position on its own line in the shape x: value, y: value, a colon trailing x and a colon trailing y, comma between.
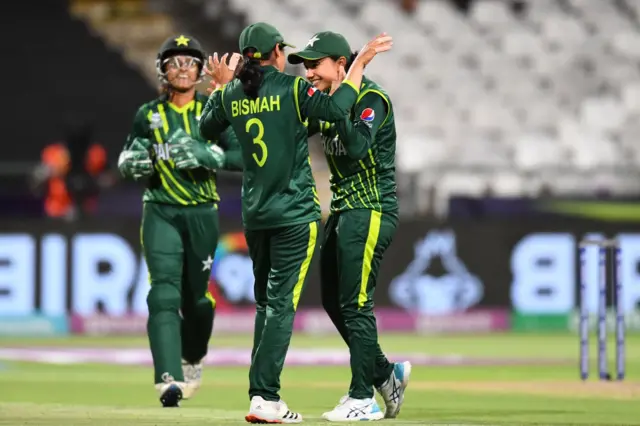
x: 361, y: 153
x: 156, y: 121
x: 278, y: 187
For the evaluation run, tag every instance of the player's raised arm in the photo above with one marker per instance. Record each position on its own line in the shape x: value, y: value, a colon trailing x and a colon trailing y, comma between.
x: 314, y: 104
x: 358, y: 134
x: 213, y: 121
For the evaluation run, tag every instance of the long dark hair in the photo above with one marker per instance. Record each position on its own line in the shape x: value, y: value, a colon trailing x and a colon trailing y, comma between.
x: 251, y: 72
x: 350, y: 60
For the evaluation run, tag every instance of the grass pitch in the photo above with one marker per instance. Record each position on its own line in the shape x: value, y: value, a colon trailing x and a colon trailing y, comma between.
x: 532, y: 394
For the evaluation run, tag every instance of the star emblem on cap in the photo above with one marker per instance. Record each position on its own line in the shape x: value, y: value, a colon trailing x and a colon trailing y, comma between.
x: 313, y: 40
x: 182, y: 41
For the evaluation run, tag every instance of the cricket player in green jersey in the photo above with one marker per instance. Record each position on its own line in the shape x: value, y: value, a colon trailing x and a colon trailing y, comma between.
x: 179, y: 230
x: 360, y: 151
x: 269, y: 111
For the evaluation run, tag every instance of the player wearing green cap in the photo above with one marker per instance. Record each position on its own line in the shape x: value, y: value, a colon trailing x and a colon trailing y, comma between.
x: 179, y: 230
x: 269, y: 111
x: 360, y: 151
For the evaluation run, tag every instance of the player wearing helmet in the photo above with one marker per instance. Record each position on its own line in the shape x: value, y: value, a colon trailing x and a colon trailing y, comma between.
x: 179, y: 230
x: 360, y: 151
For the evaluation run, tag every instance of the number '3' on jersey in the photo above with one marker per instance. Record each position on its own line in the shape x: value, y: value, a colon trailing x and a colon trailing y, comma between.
x: 278, y: 186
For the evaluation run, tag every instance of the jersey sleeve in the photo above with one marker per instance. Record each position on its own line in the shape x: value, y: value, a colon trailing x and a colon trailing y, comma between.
x: 214, y: 118
x: 358, y: 134
x: 232, y: 150
x: 312, y: 103
x: 140, y: 128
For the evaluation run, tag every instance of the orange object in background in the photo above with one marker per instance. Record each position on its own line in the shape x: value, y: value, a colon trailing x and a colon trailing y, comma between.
x: 56, y: 157
x: 96, y: 160
x: 409, y: 6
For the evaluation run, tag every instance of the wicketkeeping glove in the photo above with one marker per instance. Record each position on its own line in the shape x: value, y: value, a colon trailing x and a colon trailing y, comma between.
x: 135, y: 161
x: 188, y: 153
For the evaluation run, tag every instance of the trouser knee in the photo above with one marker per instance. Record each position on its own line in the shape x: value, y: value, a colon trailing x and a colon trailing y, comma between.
x: 163, y: 297
x: 358, y: 319
x: 203, y: 304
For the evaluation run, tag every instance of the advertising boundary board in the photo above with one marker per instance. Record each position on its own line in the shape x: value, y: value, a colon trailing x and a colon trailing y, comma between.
x: 432, y: 269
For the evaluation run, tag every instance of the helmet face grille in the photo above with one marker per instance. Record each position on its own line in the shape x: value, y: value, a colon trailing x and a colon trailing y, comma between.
x: 181, y: 45
x: 162, y: 73
x: 180, y: 61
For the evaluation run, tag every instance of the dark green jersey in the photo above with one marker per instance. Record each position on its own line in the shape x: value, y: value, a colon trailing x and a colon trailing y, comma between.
x: 156, y: 121
x: 278, y: 188
x: 361, y: 153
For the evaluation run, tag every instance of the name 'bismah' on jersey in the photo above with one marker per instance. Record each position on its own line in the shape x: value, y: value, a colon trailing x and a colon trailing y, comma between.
x: 156, y: 121
x: 255, y: 106
x: 368, y: 183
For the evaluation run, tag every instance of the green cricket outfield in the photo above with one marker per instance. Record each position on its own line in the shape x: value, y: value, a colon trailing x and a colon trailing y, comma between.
x: 493, y: 379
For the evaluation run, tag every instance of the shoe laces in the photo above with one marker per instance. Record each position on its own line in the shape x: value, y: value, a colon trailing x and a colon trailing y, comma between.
x: 281, y: 405
x: 347, y: 401
x: 343, y: 401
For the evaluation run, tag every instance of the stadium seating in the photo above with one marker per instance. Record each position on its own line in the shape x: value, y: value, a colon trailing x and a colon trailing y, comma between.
x: 64, y: 71
x: 485, y: 100
x: 494, y: 99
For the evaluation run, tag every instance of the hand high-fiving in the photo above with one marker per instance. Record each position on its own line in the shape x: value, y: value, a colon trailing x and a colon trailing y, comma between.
x: 220, y: 72
x: 380, y: 43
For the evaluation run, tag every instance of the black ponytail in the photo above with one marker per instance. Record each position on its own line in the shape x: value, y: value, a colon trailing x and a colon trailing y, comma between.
x: 350, y: 60
x: 251, y: 73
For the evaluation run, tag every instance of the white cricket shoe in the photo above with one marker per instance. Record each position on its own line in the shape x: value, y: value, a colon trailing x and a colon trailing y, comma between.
x: 262, y: 411
x: 192, y: 376
x: 392, y: 391
x: 353, y: 410
x: 171, y: 393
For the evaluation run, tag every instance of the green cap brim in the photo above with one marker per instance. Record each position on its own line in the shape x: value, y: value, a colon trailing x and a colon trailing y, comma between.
x: 258, y: 54
x: 305, y: 55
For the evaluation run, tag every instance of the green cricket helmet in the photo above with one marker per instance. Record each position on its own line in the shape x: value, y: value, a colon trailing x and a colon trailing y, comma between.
x: 179, y: 45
